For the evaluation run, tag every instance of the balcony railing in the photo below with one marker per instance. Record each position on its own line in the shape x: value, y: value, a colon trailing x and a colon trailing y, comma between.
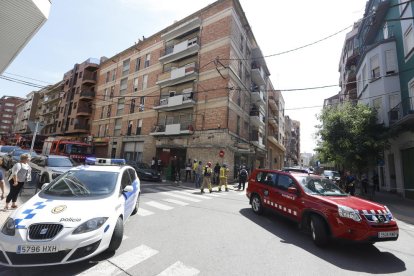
x: 184, y: 100
x: 258, y: 75
x: 173, y: 129
x: 180, y: 50
x: 178, y: 75
x: 87, y: 94
x: 82, y: 126
x: 404, y: 111
x: 83, y: 109
x: 89, y: 77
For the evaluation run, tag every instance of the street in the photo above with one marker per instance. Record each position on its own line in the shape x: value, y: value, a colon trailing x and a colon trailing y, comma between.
x: 178, y: 231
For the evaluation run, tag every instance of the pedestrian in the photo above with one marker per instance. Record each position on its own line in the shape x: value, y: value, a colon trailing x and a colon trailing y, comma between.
x: 242, y: 177
x: 1, y: 181
x: 223, y: 177
x: 159, y: 165
x: 216, y: 178
x: 364, y: 183
x: 195, y: 165
x: 199, y: 174
x: 153, y: 163
x: 350, y: 183
x: 21, y: 173
x: 207, y: 177
x: 375, y: 180
x: 188, y: 170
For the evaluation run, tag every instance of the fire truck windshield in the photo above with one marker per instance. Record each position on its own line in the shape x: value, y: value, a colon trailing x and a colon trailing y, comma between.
x: 78, y: 149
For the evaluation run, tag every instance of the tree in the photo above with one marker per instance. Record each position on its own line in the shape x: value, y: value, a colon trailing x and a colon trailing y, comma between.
x: 350, y: 136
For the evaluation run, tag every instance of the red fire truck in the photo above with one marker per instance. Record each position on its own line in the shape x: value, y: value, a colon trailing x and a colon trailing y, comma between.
x: 68, y: 146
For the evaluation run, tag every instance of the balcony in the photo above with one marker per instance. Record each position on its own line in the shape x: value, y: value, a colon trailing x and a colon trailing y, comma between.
x: 81, y: 127
x: 273, y: 121
x: 257, y: 139
x: 258, y: 96
x: 273, y: 103
x: 178, y: 51
x: 87, y: 95
x: 89, y: 77
x: 84, y: 109
x: 178, y: 75
x: 52, y: 109
x: 183, y: 128
x: 258, y: 74
x: 51, y: 98
x: 402, y: 113
x: 257, y: 118
x: 176, y: 102
x: 181, y: 29
x: 92, y: 64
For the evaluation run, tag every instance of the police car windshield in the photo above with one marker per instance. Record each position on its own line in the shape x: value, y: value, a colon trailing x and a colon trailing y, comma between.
x: 83, y: 184
x: 319, y: 186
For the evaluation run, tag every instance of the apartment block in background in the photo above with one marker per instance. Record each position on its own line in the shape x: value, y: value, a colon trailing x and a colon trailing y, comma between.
x: 8, y: 106
x: 25, y: 112
x: 75, y: 106
x: 195, y: 90
x: 49, y: 107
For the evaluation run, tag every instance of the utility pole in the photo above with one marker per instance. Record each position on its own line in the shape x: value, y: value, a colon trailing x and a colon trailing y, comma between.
x: 34, y: 137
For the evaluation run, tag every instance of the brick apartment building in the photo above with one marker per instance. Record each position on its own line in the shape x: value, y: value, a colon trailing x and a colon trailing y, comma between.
x: 75, y: 106
x: 192, y: 90
x: 8, y: 105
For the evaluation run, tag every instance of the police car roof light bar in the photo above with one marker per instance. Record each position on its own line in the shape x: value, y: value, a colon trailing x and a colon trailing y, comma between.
x: 104, y: 161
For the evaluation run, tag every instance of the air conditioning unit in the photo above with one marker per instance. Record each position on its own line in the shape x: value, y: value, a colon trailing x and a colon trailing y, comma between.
x: 172, y: 93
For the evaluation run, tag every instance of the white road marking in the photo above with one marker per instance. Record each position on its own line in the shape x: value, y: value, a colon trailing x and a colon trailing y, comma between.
x: 143, y: 212
x: 179, y: 269
x: 159, y: 205
x: 175, y: 201
x: 174, y: 195
x: 188, y: 193
x: 133, y: 257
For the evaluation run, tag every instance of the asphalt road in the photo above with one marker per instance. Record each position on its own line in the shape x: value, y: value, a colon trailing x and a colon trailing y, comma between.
x: 181, y: 232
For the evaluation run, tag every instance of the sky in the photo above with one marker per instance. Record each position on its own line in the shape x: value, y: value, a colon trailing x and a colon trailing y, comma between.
x: 79, y: 29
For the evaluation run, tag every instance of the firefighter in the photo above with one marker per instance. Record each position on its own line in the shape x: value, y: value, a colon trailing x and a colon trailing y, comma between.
x: 223, y: 177
x: 207, y: 177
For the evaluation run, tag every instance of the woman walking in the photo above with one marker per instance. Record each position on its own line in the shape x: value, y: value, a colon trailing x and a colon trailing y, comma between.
x: 21, y: 172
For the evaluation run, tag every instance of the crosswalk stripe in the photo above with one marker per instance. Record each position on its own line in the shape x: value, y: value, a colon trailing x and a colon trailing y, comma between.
x: 189, y: 193
x: 179, y: 269
x: 174, y: 195
x: 159, y: 205
x: 133, y: 257
x: 175, y: 201
x: 143, y: 212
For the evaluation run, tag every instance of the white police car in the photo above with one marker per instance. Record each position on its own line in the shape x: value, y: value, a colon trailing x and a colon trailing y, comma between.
x: 78, y: 215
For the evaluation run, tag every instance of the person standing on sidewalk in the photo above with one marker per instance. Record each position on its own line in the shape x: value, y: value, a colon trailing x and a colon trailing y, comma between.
x: 1, y: 181
x: 350, y: 183
x: 216, y: 179
x: 242, y: 177
x: 207, y: 177
x: 199, y: 174
x: 188, y: 170
x: 195, y: 165
x: 21, y: 173
x: 223, y: 177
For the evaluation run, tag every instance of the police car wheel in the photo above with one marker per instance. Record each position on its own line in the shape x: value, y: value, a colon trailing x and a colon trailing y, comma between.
x: 318, y: 231
x: 116, y: 236
x: 257, y: 205
x: 136, y: 206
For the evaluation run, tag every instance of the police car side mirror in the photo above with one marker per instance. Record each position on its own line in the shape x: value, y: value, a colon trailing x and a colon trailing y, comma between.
x: 44, y: 185
x: 128, y: 189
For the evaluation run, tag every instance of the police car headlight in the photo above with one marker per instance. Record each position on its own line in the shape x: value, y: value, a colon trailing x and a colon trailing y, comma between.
x: 347, y: 212
x: 90, y: 225
x: 9, y: 228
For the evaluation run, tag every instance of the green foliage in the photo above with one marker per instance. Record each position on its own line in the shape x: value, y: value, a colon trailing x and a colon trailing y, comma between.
x: 350, y: 136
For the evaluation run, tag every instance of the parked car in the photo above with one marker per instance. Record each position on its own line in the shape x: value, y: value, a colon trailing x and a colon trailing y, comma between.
x: 298, y: 170
x: 320, y: 207
x: 49, y: 167
x: 332, y: 175
x: 75, y: 217
x: 13, y: 157
x: 144, y: 171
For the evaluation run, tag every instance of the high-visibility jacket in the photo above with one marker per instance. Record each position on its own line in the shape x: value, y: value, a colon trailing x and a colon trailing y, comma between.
x: 223, y: 172
x: 208, y: 171
x: 195, y: 166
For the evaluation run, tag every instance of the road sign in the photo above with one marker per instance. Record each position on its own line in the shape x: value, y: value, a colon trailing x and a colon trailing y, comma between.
x: 32, y: 126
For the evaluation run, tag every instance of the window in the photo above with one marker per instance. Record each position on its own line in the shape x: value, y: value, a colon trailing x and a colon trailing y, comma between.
x: 106, y: 133
x: 267, y: 178
x: 132, y: 106
x: 71, y: 121
x: 238, y: 91
x: 142, y: 104
x: 411, y: 101
x: 139, y: 127
x: 107, y: 76
x: 377, y: 104
x: 359, y: 85
x: 390, y: 62
x: 238, y: 126
x: 375, y: 68
x: 192, y: 41
x: 111, y: 95
x: 144, y: 82
x: 106, y: 94
x: 102, y: 112
x: 126, y: 180
x: 240, y: 72
x: 135, y: 83
x: 147, y: 60
x: 120, y: 108
x: 408, y: 40
x: 74, y: 105
x: 113, y: 74
x: 385, y: 30
x: 364, y: 76
x: 125, y: 67
x: 241, y: 43
x: 101, y: 132
x: 9, y: 104
x: 137, y: 64
x: 123, y: 87
x: 130, y: 124
x: 80, y: 75
x: 284, y: 182
x: 117, y: 128
x: 108, y: 113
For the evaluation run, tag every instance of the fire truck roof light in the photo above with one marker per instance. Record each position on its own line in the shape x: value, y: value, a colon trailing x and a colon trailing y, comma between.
x: 104, y: 161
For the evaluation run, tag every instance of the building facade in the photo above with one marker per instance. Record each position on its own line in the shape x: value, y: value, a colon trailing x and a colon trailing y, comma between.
x: 8, y: 106
x: 49, y: 108
x: 195, y: 90
x: 26, y: 112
